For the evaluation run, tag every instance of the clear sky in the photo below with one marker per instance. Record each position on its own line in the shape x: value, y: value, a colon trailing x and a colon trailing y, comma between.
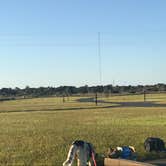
x: 55, y: 42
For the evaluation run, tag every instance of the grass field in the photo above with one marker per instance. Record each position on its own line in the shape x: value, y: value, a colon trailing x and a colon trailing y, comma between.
x: 40, y: 131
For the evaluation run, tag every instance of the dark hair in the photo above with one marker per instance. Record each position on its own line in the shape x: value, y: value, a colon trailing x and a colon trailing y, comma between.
x: 78, y: 143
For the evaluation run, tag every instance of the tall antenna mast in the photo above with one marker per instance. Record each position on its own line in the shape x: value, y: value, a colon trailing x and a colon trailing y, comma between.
x: 99, y: 55
x: 100, y: 71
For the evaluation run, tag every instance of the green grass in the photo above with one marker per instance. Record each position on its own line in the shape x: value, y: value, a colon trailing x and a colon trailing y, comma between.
x: 42, y: 134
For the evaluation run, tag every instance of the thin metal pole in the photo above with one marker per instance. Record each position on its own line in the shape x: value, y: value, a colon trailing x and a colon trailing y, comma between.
x: 144, y: 95
x: 99, y: 55
x: 96, y: 101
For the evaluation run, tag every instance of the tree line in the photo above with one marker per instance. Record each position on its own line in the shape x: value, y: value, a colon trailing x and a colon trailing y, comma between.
x: 72, y: 90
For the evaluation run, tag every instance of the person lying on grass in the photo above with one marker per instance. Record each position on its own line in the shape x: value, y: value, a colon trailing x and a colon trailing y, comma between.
x: 124, y: 152
x: 83, y: 152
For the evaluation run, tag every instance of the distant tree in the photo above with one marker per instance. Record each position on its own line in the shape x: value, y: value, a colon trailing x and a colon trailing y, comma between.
x: 70, y: 90
x: 83, y: 89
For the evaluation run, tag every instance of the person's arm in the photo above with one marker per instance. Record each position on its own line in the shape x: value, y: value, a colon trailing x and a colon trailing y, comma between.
x: 71, y: 155
x: 114, y: 154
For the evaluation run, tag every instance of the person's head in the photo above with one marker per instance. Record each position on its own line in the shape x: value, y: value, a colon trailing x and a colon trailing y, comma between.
x: 110, y: 150
x: 78, y: 143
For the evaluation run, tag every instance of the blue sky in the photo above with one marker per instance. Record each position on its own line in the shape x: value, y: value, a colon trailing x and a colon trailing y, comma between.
x: 55, y: 42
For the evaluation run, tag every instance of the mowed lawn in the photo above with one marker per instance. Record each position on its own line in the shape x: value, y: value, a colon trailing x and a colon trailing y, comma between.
x: 40, y: 131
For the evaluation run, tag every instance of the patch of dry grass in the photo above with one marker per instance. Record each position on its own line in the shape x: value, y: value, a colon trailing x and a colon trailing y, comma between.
x: 43, y: 137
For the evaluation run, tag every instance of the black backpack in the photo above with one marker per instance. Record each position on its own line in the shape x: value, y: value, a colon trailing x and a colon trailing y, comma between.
x: 154, y: 144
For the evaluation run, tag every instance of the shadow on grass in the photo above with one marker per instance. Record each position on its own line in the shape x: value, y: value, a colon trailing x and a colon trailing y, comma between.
x: 56, y: 109
x: 91, y: 100
x: 124, y: 104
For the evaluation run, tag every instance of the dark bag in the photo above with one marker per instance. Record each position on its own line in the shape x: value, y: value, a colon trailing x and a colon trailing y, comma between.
x: 154, y: 144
